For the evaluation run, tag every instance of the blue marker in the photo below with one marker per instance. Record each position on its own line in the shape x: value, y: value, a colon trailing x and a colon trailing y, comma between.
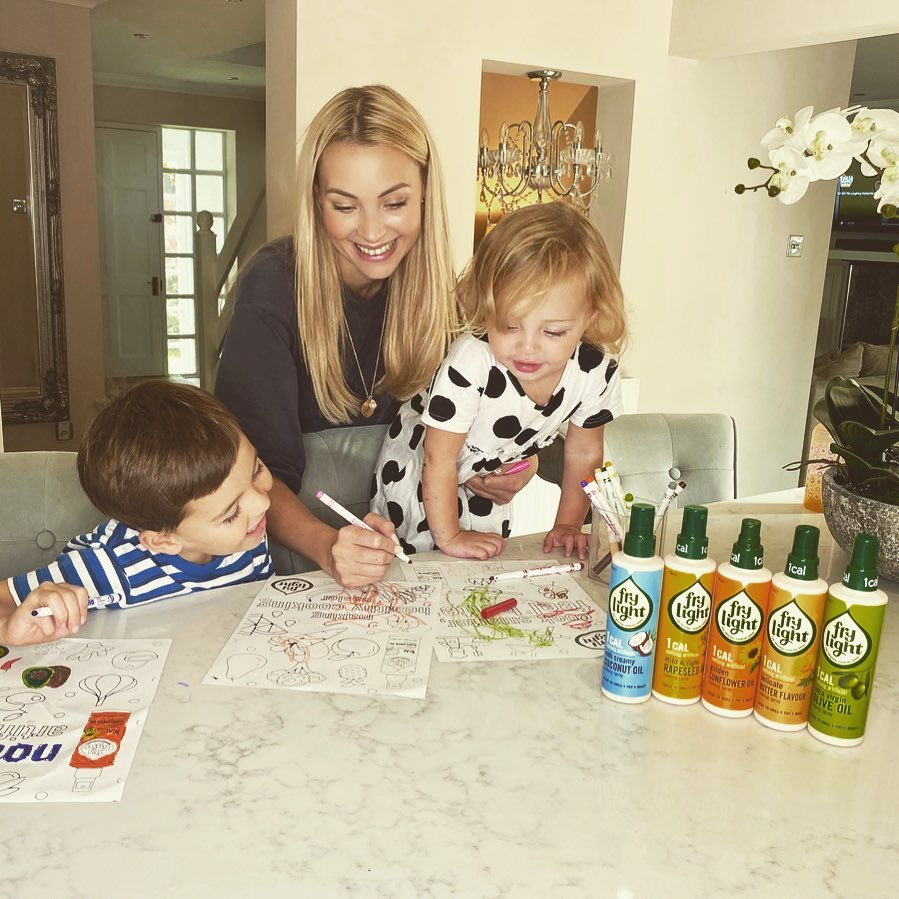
x: 635, y: 586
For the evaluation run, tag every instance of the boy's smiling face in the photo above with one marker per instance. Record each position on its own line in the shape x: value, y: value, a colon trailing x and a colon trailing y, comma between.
x: 230, y: 519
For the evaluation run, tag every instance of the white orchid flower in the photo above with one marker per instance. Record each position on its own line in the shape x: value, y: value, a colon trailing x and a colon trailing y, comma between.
x: 787, y: 132
x: 881, y: 128
x: 791, y: 178
x: 883, y: 151
x: 888, y: 192
x: 829, y: 145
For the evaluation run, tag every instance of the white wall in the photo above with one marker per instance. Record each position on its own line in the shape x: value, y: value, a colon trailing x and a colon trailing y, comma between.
x: 705, y: 29
x: 63, y: 32
x: 721, y: 320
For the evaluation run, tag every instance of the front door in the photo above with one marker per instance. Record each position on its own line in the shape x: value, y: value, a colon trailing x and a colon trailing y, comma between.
x: 129, y: 197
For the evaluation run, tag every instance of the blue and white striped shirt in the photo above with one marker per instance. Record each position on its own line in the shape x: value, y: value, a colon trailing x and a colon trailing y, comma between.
x: 112, y: 559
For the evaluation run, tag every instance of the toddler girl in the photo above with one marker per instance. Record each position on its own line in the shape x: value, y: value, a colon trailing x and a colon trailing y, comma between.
x: 544, y: 308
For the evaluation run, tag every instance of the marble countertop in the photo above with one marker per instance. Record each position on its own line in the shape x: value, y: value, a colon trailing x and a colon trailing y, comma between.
x: 510, y: 780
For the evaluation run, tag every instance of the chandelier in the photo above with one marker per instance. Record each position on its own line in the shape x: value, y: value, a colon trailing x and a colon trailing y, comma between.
x: 542, y: 157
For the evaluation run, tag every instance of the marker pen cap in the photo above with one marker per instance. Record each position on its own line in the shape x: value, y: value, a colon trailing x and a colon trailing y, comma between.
x: 640, y: 540
x: 692, y: 542
x: 748, y: 551
x: 802, y: 561
x: 861, y: 572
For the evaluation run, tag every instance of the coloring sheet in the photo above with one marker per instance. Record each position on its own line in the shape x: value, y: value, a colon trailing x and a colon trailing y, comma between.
x: 71, y: 716
x: 554, y: 617
x: 306, y: 632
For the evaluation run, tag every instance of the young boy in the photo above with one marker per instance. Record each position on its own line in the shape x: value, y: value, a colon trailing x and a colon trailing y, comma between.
x: 186, y: 495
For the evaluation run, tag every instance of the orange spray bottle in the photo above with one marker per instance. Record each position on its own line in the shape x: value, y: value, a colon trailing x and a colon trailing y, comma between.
x: 742, y: 588
x: 792, y: 635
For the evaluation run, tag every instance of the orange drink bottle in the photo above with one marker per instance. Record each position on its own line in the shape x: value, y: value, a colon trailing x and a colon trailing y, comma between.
x: 685, y: 610
x: 740, y: 600
x: 792, y: 634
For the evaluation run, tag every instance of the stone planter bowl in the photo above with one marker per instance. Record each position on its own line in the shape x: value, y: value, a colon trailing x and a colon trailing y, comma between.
x: 848, y: 514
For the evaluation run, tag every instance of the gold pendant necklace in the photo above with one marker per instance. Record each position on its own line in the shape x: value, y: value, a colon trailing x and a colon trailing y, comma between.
x: 369, y: 404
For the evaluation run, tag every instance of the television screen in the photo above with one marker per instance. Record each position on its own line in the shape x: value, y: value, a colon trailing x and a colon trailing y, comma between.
x: 855, y: 208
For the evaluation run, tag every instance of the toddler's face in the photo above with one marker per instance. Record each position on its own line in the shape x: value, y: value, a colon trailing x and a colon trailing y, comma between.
x: 232, y: 518
x: 536, y: 345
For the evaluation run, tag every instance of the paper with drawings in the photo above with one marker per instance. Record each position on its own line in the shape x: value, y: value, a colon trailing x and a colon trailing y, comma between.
x: 306, y: 632
x: 554, y: 617
x: 71, y: 716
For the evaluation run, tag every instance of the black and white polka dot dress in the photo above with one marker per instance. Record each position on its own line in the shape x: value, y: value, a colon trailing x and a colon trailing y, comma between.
x: 474, y: 394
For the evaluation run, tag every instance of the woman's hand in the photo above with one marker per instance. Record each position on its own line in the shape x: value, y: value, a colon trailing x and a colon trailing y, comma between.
x: 502, y: 487
x: 360, y: 557
x: 473, y: 545
x: 567, y: 538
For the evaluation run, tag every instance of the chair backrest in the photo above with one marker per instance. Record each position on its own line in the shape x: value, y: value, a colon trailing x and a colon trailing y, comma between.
x: 42, y: 506
x: 646, y: 446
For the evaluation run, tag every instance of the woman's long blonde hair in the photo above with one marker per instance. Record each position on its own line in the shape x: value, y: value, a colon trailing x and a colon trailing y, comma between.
x: 528, y: 252
x: 421, y: 313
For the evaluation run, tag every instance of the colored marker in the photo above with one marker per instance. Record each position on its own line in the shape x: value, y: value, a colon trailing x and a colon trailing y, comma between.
x: 536, y: 572
x: 611, y: 494
x: 499, y: 608
x: 518, y: 466
x: 346, y: 515
x: 601, y: 504
x: 616, y: 485
x: 674, y: 489
x: 93, y: 602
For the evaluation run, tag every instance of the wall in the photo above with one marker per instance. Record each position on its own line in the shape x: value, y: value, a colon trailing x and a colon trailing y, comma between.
x: 706, y: 29
x: 721, y: 320
x: 63, y: 32
x: 122, y: 106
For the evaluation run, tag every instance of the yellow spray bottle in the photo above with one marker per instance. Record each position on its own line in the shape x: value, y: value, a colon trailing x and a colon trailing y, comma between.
x: 686, y: 607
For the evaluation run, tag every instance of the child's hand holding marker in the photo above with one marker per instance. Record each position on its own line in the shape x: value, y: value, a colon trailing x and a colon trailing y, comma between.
x: 49, y: 612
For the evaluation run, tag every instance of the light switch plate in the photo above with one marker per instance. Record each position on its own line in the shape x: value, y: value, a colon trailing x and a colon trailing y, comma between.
x: 794, y: 244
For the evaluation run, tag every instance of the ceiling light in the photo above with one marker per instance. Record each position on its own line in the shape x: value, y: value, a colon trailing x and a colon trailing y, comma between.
x: 233, y: 77
x: 141, y: 35
x: 542, y: 157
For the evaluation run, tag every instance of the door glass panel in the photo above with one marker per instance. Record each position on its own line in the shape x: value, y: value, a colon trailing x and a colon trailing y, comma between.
x: 211, y: 193
x: 180, y: 318
x: 179, y: 234
x: 175, y: 148
x: 176, y: 192
x: 182, y: 356
x: 210, y: 150
x: 179, y: 275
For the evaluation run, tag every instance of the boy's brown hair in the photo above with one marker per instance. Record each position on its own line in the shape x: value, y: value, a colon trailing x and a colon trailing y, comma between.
x: 153, y: 449
x: 528, y: 252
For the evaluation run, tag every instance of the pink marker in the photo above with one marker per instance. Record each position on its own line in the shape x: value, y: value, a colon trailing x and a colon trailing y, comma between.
x: 518, y: 466
x: 346, y: 515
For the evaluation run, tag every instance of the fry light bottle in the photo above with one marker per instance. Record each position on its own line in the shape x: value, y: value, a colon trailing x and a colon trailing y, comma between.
x: 850, y: 639
x: 742, y: 587
x: 686, y: 606
x: 792, y: 635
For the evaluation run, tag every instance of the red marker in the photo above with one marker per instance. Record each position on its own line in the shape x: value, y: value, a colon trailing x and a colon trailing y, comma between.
x: 499, y: 608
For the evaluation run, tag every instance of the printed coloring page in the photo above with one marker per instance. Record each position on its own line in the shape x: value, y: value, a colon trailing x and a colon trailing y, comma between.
x: 71, y: 716
x: 554, y: 618
x: 306, y: 632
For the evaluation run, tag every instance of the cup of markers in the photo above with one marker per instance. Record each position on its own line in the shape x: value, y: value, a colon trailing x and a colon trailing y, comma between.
x: 610, y: 520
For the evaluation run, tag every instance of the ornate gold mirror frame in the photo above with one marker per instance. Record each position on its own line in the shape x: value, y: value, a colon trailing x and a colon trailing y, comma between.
x: 33, y: 371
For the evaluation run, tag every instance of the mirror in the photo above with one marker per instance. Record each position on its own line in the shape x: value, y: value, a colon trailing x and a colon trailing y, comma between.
x: 33, y: 372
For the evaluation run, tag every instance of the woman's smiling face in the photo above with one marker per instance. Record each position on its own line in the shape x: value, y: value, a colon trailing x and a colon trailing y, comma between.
x: 370, y: 198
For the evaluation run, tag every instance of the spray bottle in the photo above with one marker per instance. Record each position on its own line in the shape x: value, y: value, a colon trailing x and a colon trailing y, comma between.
x: 740, y: 600
x: 635, y: 585
x: 850, y: 639
x: 792, y: 635
x: 686, y: 607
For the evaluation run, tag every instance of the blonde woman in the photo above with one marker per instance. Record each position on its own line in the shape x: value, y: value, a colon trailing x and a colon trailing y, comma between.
x: 352, y: 313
